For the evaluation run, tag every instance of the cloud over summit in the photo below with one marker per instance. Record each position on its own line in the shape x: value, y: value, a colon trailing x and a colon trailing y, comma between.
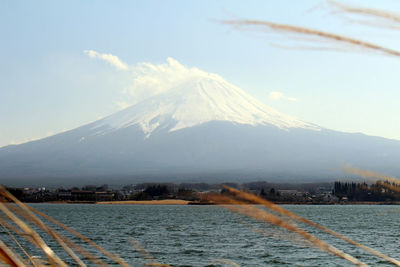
x: 111, y: 59
x: 152, y: 79
x: 147, y: 79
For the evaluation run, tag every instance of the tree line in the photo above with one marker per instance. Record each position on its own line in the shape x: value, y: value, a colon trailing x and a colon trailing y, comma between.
x: 378, y: 191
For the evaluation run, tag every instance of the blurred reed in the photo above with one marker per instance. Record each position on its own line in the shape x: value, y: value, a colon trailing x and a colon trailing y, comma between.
x: 322, y: 35
x: 239, y: 197
x: 340, y: 42
x: 372, y: 16
x: 146, y: 255
x: 20, y: 220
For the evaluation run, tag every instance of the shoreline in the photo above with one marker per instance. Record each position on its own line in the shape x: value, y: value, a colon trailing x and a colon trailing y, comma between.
x: 145, y: 202
x: 186, y: 202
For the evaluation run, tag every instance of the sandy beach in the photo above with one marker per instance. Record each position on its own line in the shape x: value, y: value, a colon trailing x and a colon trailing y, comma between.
x: 147, y: 202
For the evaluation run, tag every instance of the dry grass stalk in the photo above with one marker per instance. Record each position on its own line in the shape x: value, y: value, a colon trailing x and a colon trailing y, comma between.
x: 276, y: 235
x: 54, y: 234
x: 4, y: 223
x: 371, y: 12
x: 65, y: 243
x: 15, y: 230
x: 115, y: 258
x: 9, y: 257
x: 138, y: 247
x: 83, y: 252
x: 284, y: 28
x: 145, y: 254
x: 32, y: 218
x: 18, y: 244
x: 372, y: 175
x: 39, y: 242
x: 28, y: 214
x: 262, y: 215
x: 35, y: 261
x: 391, y: 187
x: 272, y: 206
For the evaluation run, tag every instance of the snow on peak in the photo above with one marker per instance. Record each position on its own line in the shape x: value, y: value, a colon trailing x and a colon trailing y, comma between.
x: 194, y: 97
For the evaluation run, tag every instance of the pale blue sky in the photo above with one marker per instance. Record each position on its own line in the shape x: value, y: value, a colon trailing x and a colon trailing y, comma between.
x: 48, y: 84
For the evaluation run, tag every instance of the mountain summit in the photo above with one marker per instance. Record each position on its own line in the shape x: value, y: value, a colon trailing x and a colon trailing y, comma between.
x: 201, y: 99
x: 194, y: 126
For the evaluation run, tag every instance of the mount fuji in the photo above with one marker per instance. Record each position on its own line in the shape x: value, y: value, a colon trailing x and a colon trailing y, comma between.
x: 201, y: 129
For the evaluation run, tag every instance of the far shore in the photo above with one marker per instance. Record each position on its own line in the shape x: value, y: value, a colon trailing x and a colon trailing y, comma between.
x: 146, y: 202
x: 186, y: 202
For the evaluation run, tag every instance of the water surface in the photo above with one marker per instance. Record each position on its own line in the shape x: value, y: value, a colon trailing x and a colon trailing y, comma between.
x: 203, y: 235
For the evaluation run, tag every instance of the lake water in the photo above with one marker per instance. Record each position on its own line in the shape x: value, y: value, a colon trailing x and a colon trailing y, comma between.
x: 205, y: 235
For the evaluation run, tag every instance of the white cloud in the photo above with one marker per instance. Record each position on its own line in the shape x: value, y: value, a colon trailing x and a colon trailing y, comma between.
x: 113, y: 60
x: 151, y: 79
x: 280, y: 96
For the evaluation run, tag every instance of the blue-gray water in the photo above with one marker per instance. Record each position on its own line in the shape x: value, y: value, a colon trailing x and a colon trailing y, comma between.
x: 203, y: 235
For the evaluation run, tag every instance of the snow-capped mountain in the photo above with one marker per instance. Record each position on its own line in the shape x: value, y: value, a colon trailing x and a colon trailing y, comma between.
x: 197, y: 101
x: 202, y: 128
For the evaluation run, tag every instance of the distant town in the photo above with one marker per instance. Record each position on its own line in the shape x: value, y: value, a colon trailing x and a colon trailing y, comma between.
x: 310, y: 193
